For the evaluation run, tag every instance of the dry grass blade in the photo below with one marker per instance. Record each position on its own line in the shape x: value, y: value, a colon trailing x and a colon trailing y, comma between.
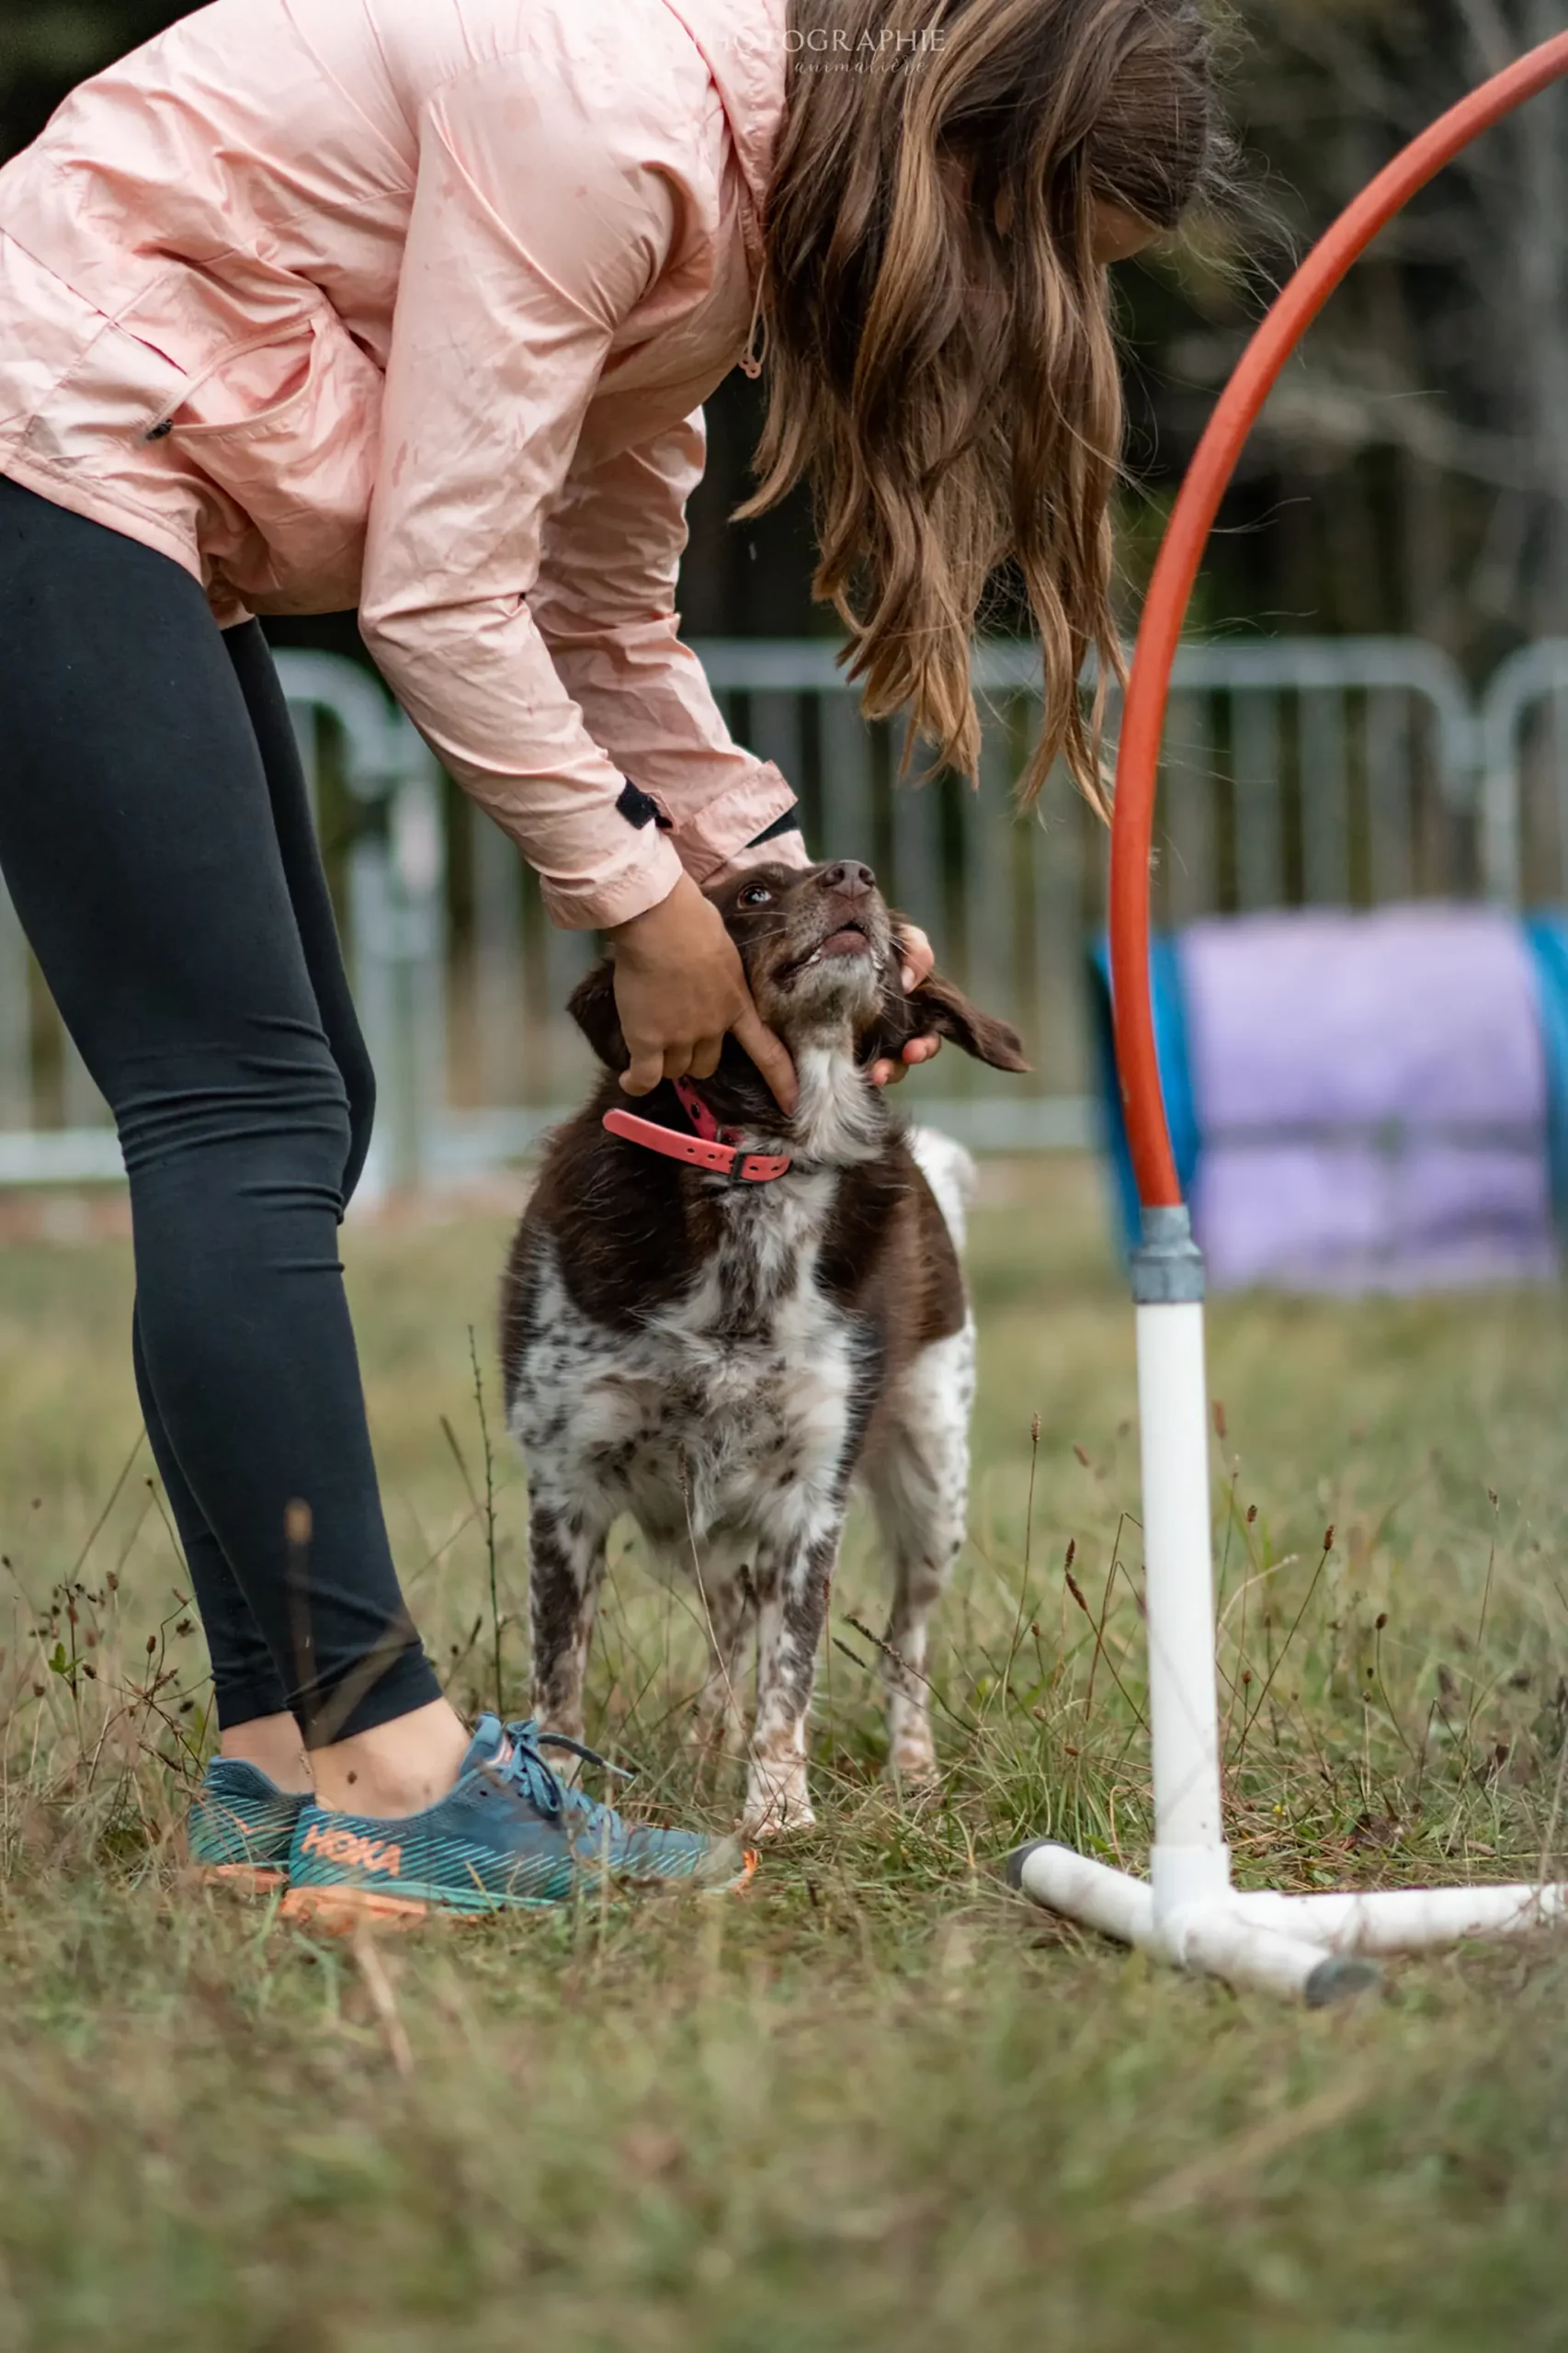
x: 383, y: 2000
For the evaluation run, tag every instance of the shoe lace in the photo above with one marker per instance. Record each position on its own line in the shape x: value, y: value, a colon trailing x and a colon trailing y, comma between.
x: 527, y: 1771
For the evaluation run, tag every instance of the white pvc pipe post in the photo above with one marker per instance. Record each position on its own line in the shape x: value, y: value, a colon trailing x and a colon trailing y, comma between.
x: 1190, y: 1864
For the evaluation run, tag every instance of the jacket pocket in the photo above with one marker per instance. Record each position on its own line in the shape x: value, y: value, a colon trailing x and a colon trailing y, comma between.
x: 287, y: 429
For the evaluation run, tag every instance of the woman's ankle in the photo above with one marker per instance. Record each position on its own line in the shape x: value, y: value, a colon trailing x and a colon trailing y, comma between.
x: 275, y: 1745
x: 395, y: 1769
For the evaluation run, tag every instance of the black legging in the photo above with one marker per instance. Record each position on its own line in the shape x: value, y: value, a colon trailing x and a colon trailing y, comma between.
x: 156, y: 838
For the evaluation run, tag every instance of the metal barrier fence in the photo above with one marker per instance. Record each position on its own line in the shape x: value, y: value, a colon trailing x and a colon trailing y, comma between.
x: 1298, y: 771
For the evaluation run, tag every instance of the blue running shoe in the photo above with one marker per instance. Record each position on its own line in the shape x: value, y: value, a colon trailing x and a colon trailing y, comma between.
x: 511, y: 1836
x: 241, y: 1825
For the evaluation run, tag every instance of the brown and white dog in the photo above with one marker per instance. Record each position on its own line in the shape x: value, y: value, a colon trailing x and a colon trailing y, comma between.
x: 720, y: 1354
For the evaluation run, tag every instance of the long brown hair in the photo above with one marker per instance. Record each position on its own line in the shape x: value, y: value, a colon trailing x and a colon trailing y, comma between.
x: 943, y: 365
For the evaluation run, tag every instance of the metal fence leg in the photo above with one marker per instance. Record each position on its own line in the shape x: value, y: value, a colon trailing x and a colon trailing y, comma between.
x: 496, y: 960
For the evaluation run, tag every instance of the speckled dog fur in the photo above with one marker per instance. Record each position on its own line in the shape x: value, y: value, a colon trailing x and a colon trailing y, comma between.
x: 722, y: 1360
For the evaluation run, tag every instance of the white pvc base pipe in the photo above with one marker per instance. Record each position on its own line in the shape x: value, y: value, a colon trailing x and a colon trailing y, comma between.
x: 1312, y: 1948
x: 1411, y: 1919
x: 1293, y: 1944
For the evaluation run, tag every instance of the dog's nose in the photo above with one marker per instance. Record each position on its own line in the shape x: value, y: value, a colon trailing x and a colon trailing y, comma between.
x: 855, y: 881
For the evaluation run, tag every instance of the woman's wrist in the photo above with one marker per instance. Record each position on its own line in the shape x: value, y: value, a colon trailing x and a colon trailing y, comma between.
x: 674, y: 904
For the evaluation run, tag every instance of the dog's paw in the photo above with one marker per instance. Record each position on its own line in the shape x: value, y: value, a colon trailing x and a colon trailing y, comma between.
x: 911, y: 1765
x: 777, y: 1810
x: 778, y: 1822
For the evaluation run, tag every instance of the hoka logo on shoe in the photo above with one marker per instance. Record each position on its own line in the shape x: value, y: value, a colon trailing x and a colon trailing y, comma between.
x: 350, y: 1847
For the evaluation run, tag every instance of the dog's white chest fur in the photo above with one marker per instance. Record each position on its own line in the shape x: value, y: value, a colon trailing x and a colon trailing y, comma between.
x: 725, y: 1419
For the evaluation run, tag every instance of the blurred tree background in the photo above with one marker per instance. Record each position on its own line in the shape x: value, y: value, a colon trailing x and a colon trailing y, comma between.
x: 1412, y: 473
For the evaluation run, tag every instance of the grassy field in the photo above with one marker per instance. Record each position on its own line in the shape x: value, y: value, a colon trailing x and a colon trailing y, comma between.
x: 879, y: 2103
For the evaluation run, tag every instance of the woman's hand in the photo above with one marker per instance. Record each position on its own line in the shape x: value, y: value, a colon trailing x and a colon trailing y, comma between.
x: 918, y: 959
x: 680, y: 989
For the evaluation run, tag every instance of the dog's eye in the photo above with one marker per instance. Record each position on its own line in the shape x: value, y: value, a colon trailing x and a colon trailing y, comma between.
x: 756, y: 895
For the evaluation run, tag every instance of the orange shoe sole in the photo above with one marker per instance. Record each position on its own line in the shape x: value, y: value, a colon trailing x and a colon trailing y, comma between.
x: 337, y: 1911
x: 243, y: 1879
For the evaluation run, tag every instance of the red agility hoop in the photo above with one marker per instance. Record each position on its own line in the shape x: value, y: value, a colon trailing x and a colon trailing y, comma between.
x: 1170, y: 590
x: 1317, y: 1947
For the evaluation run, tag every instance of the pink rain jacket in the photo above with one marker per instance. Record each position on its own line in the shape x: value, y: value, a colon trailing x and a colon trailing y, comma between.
x: 412, y: 305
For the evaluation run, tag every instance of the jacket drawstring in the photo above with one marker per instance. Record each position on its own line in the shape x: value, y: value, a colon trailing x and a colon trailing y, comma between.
x: 755, y: 353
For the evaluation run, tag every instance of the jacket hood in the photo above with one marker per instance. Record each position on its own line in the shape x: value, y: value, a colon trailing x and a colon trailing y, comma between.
x: 742, y: 46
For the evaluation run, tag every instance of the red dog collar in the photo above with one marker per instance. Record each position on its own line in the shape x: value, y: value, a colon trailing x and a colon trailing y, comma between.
x: 710, y: 1148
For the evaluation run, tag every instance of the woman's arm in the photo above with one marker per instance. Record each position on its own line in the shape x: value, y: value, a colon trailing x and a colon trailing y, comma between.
x: 508, y: 301
x: 604, y: 604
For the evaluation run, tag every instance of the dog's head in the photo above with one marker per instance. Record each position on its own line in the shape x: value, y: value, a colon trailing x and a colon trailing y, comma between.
x: 822, y: 958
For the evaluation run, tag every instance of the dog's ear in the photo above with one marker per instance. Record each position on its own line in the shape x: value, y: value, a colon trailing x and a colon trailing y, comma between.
x: 937, y: 1009
x: 593, y: 1007
x: 937, y: 1006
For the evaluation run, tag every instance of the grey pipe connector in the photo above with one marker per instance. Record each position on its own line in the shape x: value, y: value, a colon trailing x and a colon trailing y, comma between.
x: 1167, y: 1266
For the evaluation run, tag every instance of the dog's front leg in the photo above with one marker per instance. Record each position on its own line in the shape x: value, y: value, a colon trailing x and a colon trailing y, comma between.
x: 919, y: 1481
x: 719, y: 1720
x: 566, y: 1561
x: 792, y: 1596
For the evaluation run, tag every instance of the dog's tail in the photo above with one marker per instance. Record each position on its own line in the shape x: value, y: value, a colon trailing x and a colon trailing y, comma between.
x: 950, y: 1173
